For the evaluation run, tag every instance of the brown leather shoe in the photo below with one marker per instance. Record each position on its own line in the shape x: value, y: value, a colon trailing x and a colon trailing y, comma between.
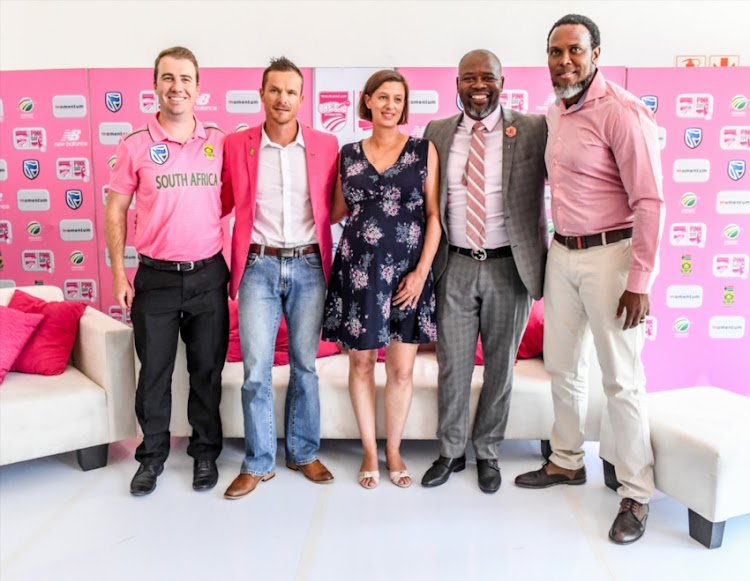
x: 244, y: 484
x: 540, y: 478
x: 630, y: 522
x: 314, y: 471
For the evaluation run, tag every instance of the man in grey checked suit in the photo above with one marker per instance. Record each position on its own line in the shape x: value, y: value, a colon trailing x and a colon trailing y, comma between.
x: 488, y: 291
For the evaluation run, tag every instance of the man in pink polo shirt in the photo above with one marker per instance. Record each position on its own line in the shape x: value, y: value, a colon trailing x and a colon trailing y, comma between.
x: 607, y: 207
x: 180, y: 289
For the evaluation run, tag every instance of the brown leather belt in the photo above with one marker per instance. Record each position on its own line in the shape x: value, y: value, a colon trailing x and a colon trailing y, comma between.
x: 295, y: 252
x: 185, y: 266
x: 602, y: 239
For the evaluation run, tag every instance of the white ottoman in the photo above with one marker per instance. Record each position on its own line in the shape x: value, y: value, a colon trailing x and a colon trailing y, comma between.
x: 700, y: 438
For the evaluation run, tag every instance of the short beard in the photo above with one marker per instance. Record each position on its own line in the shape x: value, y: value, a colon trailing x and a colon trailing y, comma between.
x: 570, y: 91
x: 481, y: 113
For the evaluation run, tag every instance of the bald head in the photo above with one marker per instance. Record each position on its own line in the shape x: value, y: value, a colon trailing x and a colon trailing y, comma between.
x: 479, y: 83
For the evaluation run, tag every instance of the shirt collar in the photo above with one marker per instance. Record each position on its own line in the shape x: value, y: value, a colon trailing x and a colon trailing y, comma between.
x: 158, y: 132
x: 265, y: 141
x: 489, y: 122
x: 597, y: 88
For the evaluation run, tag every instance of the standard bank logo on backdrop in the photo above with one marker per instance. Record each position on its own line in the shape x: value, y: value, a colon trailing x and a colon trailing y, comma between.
x: 73, y: 199
x: 650, y: 101
x: 693, y: 137
x: 736, y: 169
x: 113, y: 100
x: 31, y: 168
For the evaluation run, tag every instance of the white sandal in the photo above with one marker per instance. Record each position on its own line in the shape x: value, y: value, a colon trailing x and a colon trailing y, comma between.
x: 372, y: 474
x: 398, y: 475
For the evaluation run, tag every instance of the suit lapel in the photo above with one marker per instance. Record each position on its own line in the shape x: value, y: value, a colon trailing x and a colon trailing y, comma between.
x: 251, y: 158
x: 443, y: 141
x: 509, y: 147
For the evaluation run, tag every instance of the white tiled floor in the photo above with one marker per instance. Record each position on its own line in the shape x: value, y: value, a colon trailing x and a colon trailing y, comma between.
x: 59, y: 523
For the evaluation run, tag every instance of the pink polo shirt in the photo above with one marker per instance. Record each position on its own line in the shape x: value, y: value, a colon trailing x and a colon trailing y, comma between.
x: 605, y: 172
x: 177, y: 186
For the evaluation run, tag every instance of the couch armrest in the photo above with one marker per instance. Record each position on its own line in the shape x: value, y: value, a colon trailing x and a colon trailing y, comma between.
x: 104, y: 352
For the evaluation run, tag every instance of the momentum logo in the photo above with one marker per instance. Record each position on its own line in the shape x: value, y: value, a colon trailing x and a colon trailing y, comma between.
x: 691, y: 170
x: 684, y: 296
x: 732, y: 327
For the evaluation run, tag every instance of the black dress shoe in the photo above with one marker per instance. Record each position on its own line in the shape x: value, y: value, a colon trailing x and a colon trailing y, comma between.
x: 488, y: 474
x: 205, y: 474
x: 441, y: 469
x: 144, y: 481
x: 630, y: 523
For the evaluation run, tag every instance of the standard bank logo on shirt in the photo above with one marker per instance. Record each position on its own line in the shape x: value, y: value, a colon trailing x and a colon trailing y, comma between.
x: 159, y: 153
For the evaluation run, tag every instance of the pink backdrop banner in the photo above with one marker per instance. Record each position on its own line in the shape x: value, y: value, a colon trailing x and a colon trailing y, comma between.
x: 47, y: 218
x: 700, y: 302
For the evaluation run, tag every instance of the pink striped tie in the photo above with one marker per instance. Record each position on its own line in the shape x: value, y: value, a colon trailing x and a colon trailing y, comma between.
x: 473, y: 179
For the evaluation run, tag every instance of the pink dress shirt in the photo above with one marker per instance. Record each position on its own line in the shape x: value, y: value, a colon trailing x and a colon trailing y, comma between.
x: 605, y: 172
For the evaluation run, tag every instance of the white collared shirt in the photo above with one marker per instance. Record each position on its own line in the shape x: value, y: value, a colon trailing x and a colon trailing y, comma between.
x: 496, y: 235
x: 283, y: 210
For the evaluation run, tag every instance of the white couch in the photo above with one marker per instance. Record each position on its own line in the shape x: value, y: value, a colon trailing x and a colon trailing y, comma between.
x: 89, y: 405
x: 530, y: 416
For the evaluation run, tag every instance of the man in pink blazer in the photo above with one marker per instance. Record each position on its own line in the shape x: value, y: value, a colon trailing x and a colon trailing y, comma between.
x: 279, y: 177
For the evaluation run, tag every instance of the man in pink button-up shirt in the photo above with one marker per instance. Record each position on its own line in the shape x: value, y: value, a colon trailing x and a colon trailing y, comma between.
x: 605, y: 175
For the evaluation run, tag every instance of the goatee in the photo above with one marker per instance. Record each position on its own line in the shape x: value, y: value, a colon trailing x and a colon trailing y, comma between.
x: 570, y: 91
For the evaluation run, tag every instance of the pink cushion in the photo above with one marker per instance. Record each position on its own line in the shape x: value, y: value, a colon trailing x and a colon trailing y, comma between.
x: 533, y: 338
x: 281, y: 350
x: 17, y: 328
x: 49, y: 349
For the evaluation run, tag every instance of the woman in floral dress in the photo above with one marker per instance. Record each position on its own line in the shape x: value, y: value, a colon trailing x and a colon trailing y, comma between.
x: 381, y: 291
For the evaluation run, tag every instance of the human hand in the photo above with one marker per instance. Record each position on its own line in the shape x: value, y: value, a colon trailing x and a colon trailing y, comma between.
x: 409, y: 290
x: 123, y: 292
x: 636, y: 306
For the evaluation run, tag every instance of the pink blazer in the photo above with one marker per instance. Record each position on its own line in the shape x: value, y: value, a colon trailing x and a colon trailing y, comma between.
x: 239, y: 178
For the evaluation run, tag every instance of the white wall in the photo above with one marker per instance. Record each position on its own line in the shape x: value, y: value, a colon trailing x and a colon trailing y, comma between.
x: 59, y: 34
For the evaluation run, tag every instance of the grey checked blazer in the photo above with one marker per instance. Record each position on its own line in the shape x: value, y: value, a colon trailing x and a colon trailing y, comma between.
x: 523, y: 192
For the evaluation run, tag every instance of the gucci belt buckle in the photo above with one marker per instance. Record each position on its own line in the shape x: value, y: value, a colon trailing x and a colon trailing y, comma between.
x: 479, y: 254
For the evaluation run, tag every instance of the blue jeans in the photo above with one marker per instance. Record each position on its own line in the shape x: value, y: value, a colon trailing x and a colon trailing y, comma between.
x: 270, y: 286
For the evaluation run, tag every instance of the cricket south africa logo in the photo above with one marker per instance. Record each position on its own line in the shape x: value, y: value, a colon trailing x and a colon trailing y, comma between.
x: 333, y: 108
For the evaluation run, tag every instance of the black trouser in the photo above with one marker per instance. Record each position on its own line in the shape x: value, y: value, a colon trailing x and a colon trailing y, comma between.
x: 193, y: 304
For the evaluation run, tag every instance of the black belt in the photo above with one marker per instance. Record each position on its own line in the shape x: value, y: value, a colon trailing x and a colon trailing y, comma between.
x: 185, y: 266
x: 295, y: 252
x: 482, y: 253
x: 602, y: 239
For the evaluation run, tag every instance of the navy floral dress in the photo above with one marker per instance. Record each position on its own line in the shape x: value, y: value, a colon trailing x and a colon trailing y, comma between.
x: 381, y: 243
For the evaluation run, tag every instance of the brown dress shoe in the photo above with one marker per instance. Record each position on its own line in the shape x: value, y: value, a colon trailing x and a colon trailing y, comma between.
x: 630, y: 523
x: 314, y: 471
x: 540, y: 478
x: 244, y: 484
